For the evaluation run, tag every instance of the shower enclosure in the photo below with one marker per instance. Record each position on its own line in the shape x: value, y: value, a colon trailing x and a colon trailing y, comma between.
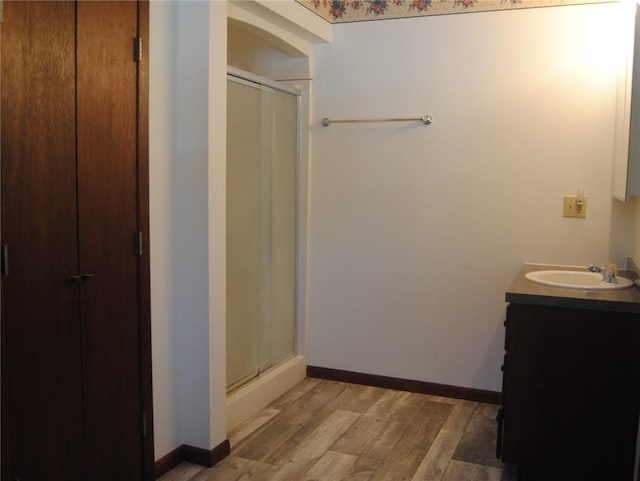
x: 262, y: 153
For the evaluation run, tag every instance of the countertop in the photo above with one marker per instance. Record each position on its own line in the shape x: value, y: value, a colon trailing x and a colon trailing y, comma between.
x: 524, y: 291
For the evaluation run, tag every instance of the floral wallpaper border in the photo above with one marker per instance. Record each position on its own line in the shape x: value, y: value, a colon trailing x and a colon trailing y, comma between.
x: 339, y: 11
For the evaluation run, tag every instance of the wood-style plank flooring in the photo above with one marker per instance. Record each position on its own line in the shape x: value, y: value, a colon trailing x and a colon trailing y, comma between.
x: 333, y: 431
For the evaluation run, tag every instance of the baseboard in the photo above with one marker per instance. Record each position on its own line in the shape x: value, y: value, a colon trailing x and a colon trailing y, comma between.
x: 191, y: 454
x: 470, y: 394
x: 167, y: 462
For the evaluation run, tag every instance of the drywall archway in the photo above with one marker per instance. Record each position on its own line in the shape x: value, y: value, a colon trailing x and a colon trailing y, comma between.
x: 266, y: 45
x: 257, y: 51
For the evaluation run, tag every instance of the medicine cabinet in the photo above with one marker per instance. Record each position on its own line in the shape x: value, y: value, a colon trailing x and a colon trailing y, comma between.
x: 626, y: 166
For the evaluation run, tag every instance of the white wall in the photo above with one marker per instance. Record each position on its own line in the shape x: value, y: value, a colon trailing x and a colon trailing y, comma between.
x: 187, y: 222
x: 190, y: 221
x: 217, y: 193
x: 163, y: 304
x: 417, y: 231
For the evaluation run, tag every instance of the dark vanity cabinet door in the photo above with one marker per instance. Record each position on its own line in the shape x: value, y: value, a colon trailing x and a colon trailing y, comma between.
x: 571, y: 393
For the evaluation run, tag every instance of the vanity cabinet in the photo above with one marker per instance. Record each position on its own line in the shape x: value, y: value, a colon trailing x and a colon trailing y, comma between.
x: 571, y: 393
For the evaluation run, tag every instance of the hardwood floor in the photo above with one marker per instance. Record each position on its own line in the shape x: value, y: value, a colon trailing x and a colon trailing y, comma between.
x: 333, y: 431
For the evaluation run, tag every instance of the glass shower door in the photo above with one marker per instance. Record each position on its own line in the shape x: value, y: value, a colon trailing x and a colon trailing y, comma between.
x: 261, y: 228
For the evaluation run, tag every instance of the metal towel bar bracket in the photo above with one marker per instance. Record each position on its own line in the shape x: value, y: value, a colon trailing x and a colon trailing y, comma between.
x: 425, y: 119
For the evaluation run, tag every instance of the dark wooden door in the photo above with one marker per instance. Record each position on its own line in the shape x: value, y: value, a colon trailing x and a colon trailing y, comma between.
x: 41, y: 323
x: 107, y: 220
x: 73, y: 306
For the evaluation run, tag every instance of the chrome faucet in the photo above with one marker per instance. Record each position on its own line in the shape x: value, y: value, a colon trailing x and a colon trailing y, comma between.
x: 608, y: 273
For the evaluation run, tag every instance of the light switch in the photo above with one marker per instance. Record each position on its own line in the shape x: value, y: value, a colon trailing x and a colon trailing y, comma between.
x: 573, y: 209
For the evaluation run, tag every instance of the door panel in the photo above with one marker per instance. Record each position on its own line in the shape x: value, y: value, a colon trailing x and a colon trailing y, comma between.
x: 244, y: 236
x: 39, y: 308
x: 107, y: 193
x: 281, y: 341
x: 262, y: 153
x: 72, y: 370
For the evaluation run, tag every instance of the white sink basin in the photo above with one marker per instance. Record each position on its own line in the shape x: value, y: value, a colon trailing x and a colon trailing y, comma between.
x: 576, y: 280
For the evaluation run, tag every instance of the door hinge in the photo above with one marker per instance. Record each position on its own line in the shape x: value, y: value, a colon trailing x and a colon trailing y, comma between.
x: 137, y: 49
x: 4, y: 260
x: 144, y: 425
x: 139, y: 242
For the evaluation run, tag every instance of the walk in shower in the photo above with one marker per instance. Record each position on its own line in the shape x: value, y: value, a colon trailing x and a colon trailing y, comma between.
x: 262, y: 157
